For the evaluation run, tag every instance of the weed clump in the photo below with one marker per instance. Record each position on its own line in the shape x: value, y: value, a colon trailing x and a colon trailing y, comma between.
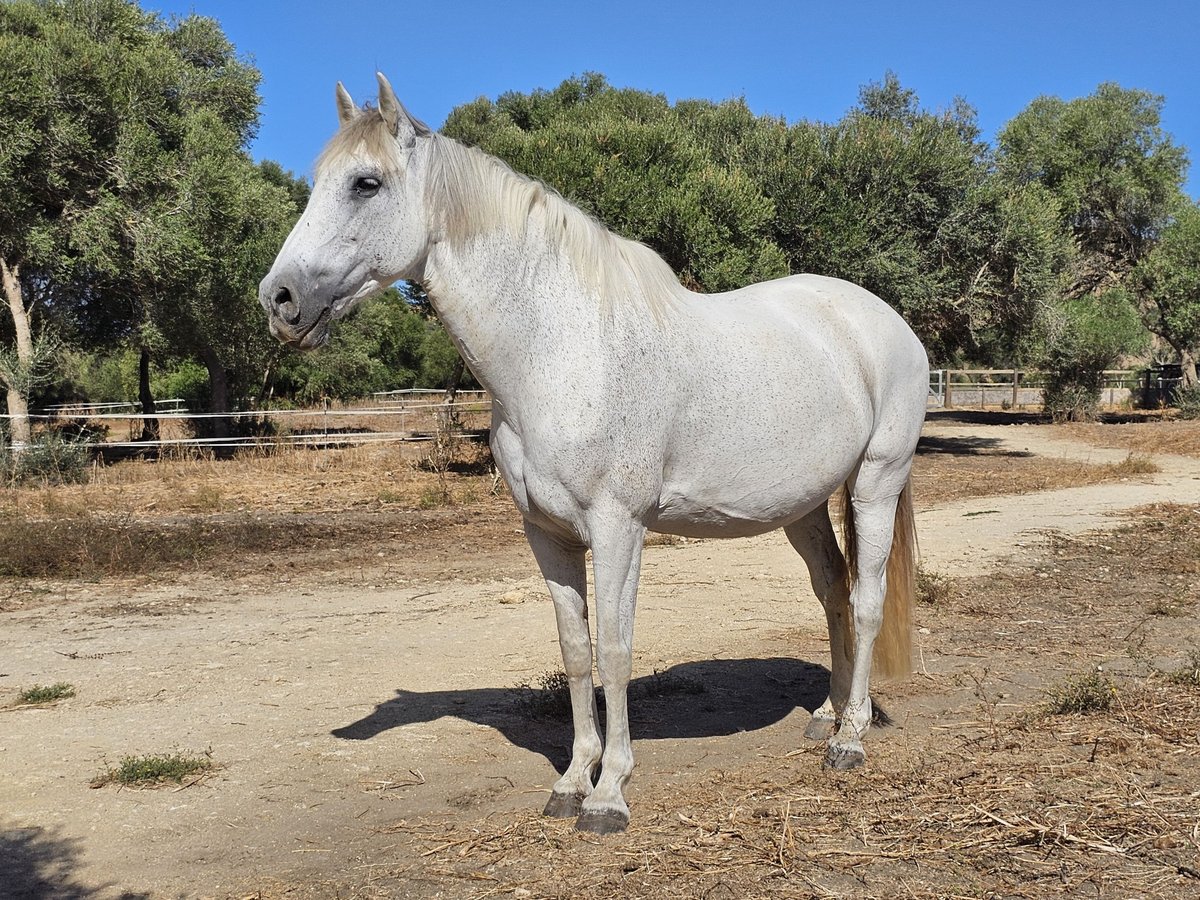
x: 933, y: 588
x: 1083, y: 694
x: 39, y: 694
x: 154, y: 769
x: 50, y: 459
x: 1189, y: 674
x: 549, y: 699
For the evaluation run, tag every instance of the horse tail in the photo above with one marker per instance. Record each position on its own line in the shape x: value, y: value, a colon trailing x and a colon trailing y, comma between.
x: 892, y: 656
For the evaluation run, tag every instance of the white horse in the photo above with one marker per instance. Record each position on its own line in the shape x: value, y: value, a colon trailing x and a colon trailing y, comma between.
x: 624, y: 403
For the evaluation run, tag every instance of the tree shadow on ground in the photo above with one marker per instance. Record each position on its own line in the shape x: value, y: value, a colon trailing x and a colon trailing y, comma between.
x: 40, y: 864
x: 972, y: 445
x: 701, y: 699
x: 986, y: 417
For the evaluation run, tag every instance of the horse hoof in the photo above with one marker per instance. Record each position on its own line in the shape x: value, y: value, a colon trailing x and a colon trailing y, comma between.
x: 563, y: 806
x: 843, y: 758
x: 820, y: 729
x: 605, y: 822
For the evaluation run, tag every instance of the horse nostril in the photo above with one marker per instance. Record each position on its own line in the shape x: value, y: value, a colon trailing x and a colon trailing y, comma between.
x: 286, y: 306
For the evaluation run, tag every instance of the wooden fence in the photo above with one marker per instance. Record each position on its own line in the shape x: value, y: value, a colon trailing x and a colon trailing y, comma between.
x: 1017, y: 389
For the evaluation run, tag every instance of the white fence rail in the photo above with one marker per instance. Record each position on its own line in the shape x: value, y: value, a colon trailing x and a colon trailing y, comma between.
x: 116, y: 427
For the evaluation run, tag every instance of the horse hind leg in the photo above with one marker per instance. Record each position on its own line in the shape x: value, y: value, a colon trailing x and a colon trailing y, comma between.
x: 883, y: 550
x: 814, y: 539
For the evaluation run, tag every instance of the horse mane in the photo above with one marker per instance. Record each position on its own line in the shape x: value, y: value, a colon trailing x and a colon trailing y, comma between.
x: 471, y: 193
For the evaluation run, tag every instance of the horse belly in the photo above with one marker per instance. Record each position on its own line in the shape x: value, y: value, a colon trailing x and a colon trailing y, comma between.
x: 747, y: 501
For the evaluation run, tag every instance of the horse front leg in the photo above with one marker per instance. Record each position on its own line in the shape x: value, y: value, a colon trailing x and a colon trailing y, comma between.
x: 616, y: 562
x: 562, y: 565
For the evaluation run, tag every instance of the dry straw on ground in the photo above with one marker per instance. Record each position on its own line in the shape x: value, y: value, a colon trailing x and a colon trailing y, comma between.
x: 981, y: 791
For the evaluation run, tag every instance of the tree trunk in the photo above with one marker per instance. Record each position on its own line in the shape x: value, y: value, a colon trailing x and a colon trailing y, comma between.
x: 16, y: 384
x: 1187, y: 362
x: 150, y: 428
x: 267, y: 391
x: 455, y: 380
x: 218, y: 393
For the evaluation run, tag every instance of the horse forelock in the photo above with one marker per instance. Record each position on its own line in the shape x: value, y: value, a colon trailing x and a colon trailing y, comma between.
x: 472, y: 194
x: 367, y: 134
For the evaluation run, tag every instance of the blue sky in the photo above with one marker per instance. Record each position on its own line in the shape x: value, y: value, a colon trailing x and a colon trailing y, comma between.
x: 799, y: 60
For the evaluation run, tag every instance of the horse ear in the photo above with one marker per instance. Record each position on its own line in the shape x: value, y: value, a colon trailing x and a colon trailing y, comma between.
x: 346, y: 107
x: 402, y: 125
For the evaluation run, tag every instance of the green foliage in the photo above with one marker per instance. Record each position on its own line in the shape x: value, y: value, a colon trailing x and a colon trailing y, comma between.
x: 51, y: 458
x: 629, y: 159
x: 1084, y: 694
x: 1090, y: 335
x: 153, y: 769
x: 39, y: 694
x: 380, y: 347
x: 893, y: 197
x: 1113, y: 170
x: 186, y: 380
x: 1187, y: 400
x: 438, y: 358
x: 1167, y: 285
x: 138, y: 128
x: 126, y: 195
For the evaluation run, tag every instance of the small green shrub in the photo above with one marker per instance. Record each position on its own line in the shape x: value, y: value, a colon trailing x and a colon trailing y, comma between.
x: 1188, y: 403
x: 1189, y: 674
x: 45, y: 694
x: 550, y: 699
x: 151, y: 769
x: 933, y: 588
x: 1083, y: 694
x: 50, y: 459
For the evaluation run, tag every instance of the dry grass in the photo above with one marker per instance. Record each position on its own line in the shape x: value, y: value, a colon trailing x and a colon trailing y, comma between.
x: 332, y: 507
x: 946, y: 476
x: 1175, y: 436
x: 1037, y: 816
x: 189, y: 513
x: 284, y: 481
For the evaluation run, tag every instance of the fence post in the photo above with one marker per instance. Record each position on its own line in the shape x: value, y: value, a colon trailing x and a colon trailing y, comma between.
x: 1016, y: 385
x: 949, y: 402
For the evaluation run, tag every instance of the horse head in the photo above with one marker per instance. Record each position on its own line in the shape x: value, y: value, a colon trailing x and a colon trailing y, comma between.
x: 364, y: 226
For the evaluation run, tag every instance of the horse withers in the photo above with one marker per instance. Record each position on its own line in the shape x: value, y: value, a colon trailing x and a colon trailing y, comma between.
x: 624, y: 403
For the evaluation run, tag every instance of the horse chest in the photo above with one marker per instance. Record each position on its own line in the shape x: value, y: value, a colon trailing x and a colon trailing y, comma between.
x: 535, y: 480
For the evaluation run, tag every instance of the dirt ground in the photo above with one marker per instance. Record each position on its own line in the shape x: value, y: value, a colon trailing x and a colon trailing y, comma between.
x: 379, y: 727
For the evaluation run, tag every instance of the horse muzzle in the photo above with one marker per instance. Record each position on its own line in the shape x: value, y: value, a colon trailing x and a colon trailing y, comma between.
x: 287, y: 320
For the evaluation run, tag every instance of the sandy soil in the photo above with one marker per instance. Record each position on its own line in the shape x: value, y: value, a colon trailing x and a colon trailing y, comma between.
x: 336, y: 705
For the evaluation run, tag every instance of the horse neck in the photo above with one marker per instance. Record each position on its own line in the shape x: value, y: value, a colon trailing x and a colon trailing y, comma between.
x: 517, y: 311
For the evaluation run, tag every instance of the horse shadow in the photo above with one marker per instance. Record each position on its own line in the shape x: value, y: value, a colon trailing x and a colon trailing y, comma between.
x: 709, y: 698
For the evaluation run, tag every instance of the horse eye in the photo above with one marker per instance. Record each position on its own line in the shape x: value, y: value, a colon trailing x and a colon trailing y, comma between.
x: 366, y: 186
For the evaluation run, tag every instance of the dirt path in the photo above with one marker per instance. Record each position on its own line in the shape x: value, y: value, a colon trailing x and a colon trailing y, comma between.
x: 335, y: 707
x: 969, y: 537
